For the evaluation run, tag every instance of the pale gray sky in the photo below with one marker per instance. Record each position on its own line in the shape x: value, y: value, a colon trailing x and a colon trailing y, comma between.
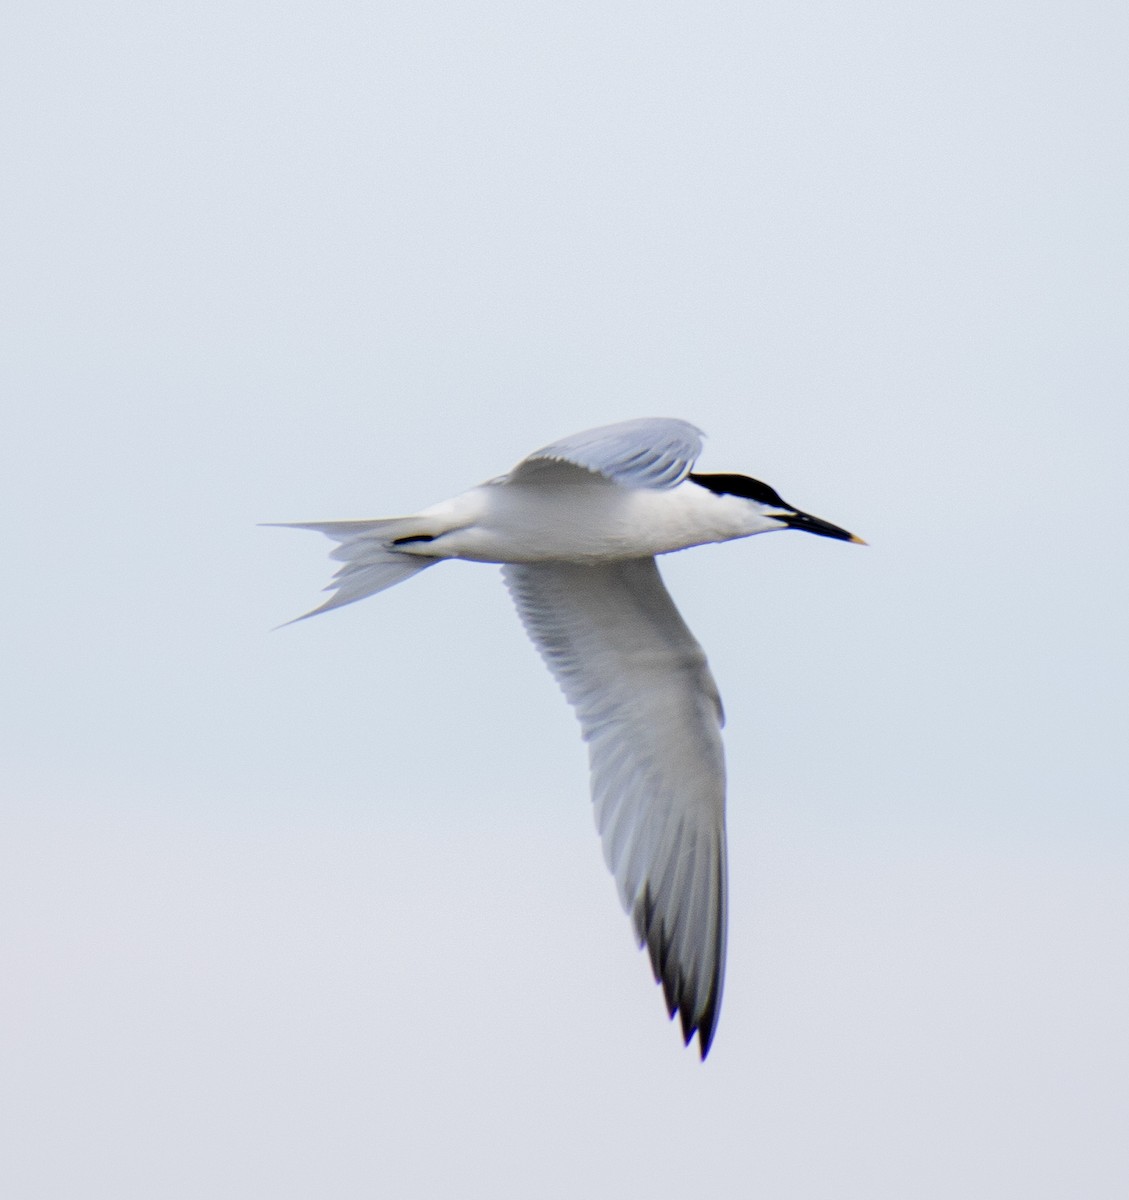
x: 320, y: 912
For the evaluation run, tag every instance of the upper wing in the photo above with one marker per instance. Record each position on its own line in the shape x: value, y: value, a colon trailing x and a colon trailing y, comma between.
x: 655, y: 452
x: 651, y: 716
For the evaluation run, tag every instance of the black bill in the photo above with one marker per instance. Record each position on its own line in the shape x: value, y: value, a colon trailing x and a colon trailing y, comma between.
x: 800, y: 520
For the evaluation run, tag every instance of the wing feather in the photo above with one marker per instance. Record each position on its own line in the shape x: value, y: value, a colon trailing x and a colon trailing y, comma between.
x: 650, y: 713
x: 654, y: 452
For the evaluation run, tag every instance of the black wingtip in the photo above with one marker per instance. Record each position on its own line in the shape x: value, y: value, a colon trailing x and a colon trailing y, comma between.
x: 703, y: 1026
x: 687, y: 1026
x: 675, y: 989
x: 706, y: 1026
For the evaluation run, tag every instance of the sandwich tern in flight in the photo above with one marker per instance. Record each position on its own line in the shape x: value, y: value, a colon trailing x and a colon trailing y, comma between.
x: 576, y: 527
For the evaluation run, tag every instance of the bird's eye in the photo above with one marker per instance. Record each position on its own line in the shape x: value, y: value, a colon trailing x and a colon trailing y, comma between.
x: 765, y: 494
x: 740, y: 485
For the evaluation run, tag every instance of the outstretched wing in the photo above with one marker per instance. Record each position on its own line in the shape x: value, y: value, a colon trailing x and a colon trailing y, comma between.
x: 655, y: 452
x: 651, y: 715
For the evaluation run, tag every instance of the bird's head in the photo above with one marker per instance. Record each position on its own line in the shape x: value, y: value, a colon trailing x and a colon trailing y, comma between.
x: 775, y: 512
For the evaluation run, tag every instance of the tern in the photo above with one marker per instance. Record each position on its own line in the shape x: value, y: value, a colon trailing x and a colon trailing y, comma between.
x: 576, y: 527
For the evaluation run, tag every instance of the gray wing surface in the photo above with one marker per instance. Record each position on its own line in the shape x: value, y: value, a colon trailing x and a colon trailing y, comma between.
x: 651, y: 715
x: 655, y: 452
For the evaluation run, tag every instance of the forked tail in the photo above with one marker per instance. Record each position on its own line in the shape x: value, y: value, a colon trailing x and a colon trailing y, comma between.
x: 370, y: 560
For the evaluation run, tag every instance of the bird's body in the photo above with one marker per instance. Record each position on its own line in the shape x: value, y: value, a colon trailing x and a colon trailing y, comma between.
x: 577, y: 520
x: 577, y: 527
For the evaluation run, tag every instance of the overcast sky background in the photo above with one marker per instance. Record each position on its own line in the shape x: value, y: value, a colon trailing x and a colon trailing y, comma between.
x: 321, y: 912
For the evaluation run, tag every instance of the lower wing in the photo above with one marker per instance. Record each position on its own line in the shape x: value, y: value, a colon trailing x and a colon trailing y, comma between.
x: 650, y: 713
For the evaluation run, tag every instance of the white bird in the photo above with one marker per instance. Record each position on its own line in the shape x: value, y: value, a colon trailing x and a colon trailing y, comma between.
x: 577, y: 526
